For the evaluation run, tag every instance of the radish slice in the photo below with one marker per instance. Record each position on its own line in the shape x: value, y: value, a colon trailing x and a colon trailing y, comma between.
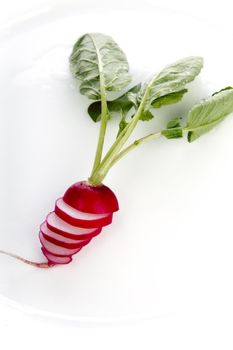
x: 60, y: 240
x: 59, y: 226
x: 79, y: 218
x: 56, y: 259
x: 54, y: 249
x: 91, y: 199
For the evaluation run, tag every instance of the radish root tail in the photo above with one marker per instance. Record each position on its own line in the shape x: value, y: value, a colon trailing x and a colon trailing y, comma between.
x: 42, y: 265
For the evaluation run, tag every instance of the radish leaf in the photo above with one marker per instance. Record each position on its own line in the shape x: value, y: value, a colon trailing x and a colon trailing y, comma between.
x: 122, y: 105
x: 173, y: 133
x: 100, y: 65
x: 169, y: 99
x: 226, y: 88
x: 208, y: 113
x: 94, y: 111
x: 146, y: 116
x: 122, y: 125
x: 173, y: 130
x: 171, y: 79
x: 173, y: 123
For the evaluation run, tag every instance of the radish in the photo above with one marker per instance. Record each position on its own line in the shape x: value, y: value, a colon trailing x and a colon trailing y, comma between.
x: 101, y: 67
x: 58, y: 237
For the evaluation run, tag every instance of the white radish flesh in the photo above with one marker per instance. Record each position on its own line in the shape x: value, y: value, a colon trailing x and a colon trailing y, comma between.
x: 55, y: 249
x: 55, y: 222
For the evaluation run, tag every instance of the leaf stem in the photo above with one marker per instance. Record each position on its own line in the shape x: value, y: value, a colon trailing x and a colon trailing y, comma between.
x: 133, y: 145
x: 103, y: 126
x: 128, y: 149
x: 104, y: 112
x: 100, y: 171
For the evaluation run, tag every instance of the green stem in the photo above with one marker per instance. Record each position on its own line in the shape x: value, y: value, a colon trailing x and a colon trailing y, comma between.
x: 103, y: 126
x: 100, y: 172
x: 104, y: 113
x: 122, y: 124
x: 133, y: 145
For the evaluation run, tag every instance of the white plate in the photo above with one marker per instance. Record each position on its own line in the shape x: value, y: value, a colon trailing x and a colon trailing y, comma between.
x: 170, y: 246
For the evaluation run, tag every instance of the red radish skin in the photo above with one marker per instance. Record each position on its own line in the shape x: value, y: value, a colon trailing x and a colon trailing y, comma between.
x: 91, y: 199
x: 77, y: 218
x: 62, y: 228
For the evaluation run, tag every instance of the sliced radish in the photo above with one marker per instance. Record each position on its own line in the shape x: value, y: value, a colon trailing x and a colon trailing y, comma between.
x: 56, y: 250
x: 91, y: 199
x: 81, y: 219
x: 56, y: 259
x: 61, y: 227
x: 61, y: 240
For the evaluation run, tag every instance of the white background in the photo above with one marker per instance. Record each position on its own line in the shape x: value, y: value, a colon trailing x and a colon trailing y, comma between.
x: 210, y: 329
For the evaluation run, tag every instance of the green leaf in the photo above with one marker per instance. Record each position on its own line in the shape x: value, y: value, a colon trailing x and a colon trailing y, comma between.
x: 169, y: 99
x: 172, y: 79
x: 173, y: 133
x: 173, y: 130
x: 100, y: 65
x: 224, y: 89
x: 146, y: 116
x: 207, y: 114
x: 94, y: 111
x: 122, y: 125
x: 122, y: 104
x: 173, y: 123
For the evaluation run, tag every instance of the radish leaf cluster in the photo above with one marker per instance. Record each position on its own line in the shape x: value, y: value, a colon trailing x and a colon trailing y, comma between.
x: 101, y: 66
